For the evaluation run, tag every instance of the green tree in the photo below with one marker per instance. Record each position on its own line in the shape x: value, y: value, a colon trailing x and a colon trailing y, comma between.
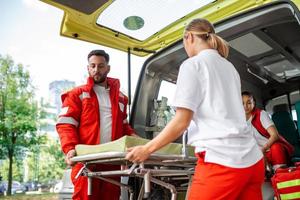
x: 53, y: 169
x: 17, y: 169
x: 18, y: 112
x: 46, y: 172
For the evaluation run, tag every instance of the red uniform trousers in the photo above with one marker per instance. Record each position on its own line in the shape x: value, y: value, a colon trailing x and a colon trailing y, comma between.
x: 277, y: 154
x: 101, y: 190
x: 217, y: 182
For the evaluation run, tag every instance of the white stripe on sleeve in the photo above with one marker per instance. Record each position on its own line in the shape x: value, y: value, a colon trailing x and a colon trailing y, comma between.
x: 67, y: 120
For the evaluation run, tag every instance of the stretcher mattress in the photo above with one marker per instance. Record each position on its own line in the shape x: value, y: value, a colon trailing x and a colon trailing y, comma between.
x: 125, y: 142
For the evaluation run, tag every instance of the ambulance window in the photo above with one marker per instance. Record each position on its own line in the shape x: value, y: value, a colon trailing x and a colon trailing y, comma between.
x: 167, y: 89
x: 278, y: 100
x: 295, y: 97
x: 294, y: 114
x: 164, y: 110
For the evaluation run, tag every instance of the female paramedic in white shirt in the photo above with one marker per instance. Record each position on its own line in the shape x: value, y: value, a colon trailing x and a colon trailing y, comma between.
x: 230, y: 164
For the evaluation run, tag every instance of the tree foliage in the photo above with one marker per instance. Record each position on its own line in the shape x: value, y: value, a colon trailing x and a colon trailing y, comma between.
x: 17, y: 170
x: 42, y: 163
x: 18, y: 112
x: 42, y: 171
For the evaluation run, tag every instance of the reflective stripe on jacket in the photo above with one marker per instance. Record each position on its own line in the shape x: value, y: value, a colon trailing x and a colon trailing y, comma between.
x: 79, y: 120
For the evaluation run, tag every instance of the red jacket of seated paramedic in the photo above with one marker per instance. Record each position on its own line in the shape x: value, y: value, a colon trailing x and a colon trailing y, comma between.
x: 79, y: 121
x: 259, y: 127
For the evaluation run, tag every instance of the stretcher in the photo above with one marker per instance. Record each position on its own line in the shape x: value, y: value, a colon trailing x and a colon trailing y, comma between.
x: 171, y: 167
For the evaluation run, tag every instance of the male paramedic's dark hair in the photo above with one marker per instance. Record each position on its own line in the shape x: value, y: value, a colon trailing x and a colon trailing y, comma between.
x: 99, y: 53
x: 203, y: 29
x: 249, y: 94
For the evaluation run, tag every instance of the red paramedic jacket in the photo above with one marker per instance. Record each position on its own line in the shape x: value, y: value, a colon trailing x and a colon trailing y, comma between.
x: 79, y: 120
x: 259, y: 127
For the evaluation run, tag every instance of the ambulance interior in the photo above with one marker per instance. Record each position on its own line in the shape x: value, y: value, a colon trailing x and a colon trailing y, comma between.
x: 264, y: 48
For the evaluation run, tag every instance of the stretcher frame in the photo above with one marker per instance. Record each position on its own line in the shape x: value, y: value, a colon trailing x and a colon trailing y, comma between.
x: 153, y: 170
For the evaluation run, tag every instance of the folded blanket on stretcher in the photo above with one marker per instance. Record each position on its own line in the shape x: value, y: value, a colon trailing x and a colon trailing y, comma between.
x: 125, y: 142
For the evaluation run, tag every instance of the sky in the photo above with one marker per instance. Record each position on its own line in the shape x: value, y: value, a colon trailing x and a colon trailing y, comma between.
x: 30, y: 34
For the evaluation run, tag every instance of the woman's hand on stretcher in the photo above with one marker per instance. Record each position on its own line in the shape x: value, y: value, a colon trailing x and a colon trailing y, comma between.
x: 70, y: 155
x: 137, y: 154
x: 173, y: 130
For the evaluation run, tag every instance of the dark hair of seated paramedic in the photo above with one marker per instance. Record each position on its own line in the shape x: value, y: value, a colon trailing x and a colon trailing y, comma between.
x: 230, y: 164
x: 276, y: 149
x: 94, y: 113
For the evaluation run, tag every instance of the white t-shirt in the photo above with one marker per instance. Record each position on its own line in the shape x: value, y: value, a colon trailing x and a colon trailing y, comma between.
x: 266, y: 123
x: 105, y: 113
x: 209, y: 85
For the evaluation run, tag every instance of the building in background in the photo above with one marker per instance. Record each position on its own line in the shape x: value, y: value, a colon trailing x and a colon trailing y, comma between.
x: 52, y: 106
x: 56, y: 88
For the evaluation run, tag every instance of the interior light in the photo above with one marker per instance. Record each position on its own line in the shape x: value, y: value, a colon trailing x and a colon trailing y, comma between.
x: 133, y: 23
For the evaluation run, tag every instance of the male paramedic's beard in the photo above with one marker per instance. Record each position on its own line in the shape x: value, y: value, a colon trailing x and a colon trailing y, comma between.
x: 98, y: 78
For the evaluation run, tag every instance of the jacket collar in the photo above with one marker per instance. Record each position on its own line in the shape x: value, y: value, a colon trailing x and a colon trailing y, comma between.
x: 111, y: 82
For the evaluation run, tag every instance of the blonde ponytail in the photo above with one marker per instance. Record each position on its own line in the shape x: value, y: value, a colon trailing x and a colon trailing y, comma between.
x: 216, y: 42
x: 205, y: 30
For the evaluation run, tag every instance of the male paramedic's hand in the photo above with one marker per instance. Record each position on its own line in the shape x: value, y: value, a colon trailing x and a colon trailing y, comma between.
x: 137, y: 154
x: 70, y: 155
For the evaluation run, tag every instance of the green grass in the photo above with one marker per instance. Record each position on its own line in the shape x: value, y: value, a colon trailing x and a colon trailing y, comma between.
x: 47, y: 196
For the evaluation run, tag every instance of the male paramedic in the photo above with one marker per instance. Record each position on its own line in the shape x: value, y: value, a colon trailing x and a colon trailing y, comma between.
x: 94, y: 113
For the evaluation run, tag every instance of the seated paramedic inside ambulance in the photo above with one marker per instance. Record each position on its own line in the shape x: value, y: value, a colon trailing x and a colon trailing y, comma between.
x: 276, y: 149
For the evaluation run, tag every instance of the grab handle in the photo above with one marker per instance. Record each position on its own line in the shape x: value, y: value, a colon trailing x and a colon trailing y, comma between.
x: 184, y: 151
